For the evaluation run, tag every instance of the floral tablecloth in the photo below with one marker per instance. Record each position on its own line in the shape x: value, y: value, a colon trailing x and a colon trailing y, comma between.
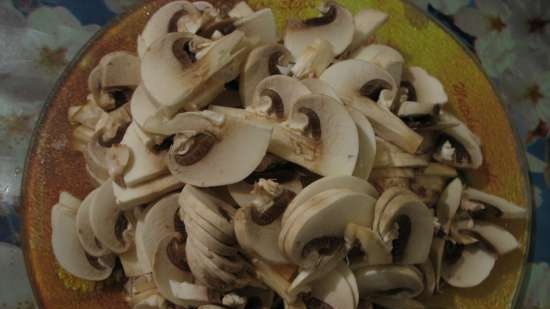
x: 38, y: 38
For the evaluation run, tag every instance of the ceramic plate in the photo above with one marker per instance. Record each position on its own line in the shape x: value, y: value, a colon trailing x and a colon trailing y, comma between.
x: 52, y: 166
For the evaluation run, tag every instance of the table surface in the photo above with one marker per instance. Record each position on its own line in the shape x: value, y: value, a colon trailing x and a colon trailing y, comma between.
x: 38, y: 38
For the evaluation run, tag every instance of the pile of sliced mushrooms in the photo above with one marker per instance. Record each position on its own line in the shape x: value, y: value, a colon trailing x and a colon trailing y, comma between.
x: 240, y: 169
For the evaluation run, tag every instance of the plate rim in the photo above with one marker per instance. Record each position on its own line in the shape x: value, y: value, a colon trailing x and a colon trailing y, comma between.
x: 519, y: 148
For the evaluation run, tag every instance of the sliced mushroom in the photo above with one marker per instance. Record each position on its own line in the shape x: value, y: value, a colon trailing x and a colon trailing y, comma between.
x: 436, y: 256
x: 494, y: 237
x: 390, y: 281
x: 85, y: 233
x: 68, y: 251
x: 449, y: 203
x: 335, y: 25
x: 135, y: 261
x: 351, y: 183
x: 232, y: 264
x: 385, y: 56
x: 170, y: 265
x: 337, y: 290
x: 194, y: 294
x: 275, y: 96
x: 491, y: 206
x: 142, y: 108
x: 373, y: 251
x: 366, y: 23
x: 160, y: 221
x: 360, y: 85
x: 309, y: 246
x: 458, y: 146
x: 274, y: 278
x: 419, y: 115
x: 426, y: 88
x: 408, y: 224
x: 428, y: 272
x: 367, y: 145
x: 319, y: 135
x: 438, y: 169
x: 114, y: 79
x: 110, y: 224
x: 154, y: 301
x: 241, y: 9
x: 259, y: 26
x: 318, y: 86
x: 130, y: 197
x: 263, y: 61
x: 389, y: 155
x: 243, y: 194
x: 313, y: 60
x: 466, y: 266
x: 202, y: 235
x: 87, y: 115
x: 172, y: 75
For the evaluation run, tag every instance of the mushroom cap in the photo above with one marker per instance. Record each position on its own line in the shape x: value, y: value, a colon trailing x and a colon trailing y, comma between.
x: 385, y: 56
x: 165, y: 272
x: 473, y: 267
x: 258, y: 240
x: 351, y: 183
x: 68, y: 250
x: 332, y: 210
x: 391, y: 281
x: 507, y: 209
x: 334, y: 151
x: 159, y: 24
x: 110, y: 225
x: 130, y: 197
x: 287, y: 89
x: 85, y: 233
x: 366, y: 23
x: 494, y: 237
x: 448, y: 203
x: 163, y: 74
x: 261, y: 63
x: 335, y: 26
x: 420, y: 221
x: 158, y: 223
x: 367, y: 144
x: 428, y: 89
x: 225, y: 162
x: 353, y: 79
x: 260, y: 26
x: 337, y: 289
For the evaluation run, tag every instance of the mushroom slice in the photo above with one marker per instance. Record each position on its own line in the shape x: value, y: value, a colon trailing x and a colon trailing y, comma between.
x: 366, y: 23
x: 360, y: 85
x: 438, y: 169
x: 112, y: 227
x: 241, y: 9
x: 436, y: 256
x: 419, y: 115
x: 386, y: 57
x: 258, y: 240
x: 318, y: 86
x: 449, y: 203
x: 275, y: 96
x: 130, y: 197
x: 171, y: 73
x: 326, y: 183
x: 142, y: 108
x: 263, y: 61
x: 389, y: 155
x: 68, y: 251
x: 194, y: 294
x: 165, y: 20
x: 408, y: 224
x: 423, y: 87
x: 160, y: 221
x: 145, y: 165
x: 335, y: 290
x: 319, y: 135
x: 207, y: 148
x: 232, y: 264
x: 259, y: 26
x: 491, y: 206
x: 373, y: 250
x: 494, y: 237
x: 335, y: 25
x: 154, y: 301
x: 313, y: 60
x: 429, y: 188
x: 87, y: 115
x: 309, y: 246
x: 85, y: 233
x: 200, y: 234
x: 242, y: 192
x: 458, y: 146
x: 390, y: 303
x: 427, y: 269
x: 135, y: 261
x: 391, y: 281
x: 367, y: 145
x: 169, y: 266
x: 114, y: 79
x: 467, y: 266
x: 274, y: 279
